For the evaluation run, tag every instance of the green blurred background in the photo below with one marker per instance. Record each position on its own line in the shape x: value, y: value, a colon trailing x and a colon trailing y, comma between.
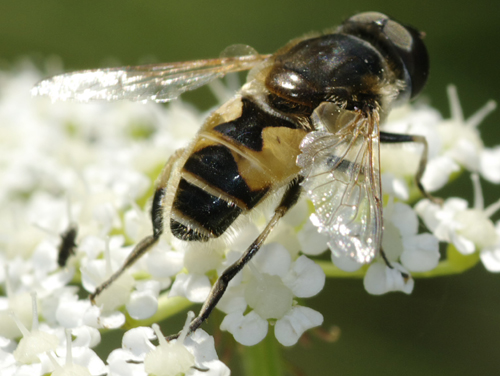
x: 448, y: 326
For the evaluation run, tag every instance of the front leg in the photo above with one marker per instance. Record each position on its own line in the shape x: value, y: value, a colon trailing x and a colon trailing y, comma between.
x: 393, y: 138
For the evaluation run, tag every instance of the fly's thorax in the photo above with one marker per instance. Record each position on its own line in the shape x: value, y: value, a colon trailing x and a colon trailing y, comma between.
x: 339, y: 68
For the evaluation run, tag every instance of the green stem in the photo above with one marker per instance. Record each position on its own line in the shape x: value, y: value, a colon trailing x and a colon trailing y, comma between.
x: 263, y: 359
x: 455, y: 263
x: 333, y: 272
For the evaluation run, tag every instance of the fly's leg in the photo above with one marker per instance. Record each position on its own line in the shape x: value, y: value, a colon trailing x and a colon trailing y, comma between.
x: 288, y: 200
x: 157, y: 219
x: 406, y: 276
x: 393, y: 138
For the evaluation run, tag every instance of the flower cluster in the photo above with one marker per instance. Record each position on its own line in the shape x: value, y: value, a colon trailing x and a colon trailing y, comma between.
x: 76, y: 180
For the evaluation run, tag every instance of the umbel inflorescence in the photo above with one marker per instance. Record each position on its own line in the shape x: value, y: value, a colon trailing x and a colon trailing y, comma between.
x: 91, y: 168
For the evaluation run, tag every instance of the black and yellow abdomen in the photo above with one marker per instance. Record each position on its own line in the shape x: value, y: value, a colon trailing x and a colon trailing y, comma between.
x: 240, y: 156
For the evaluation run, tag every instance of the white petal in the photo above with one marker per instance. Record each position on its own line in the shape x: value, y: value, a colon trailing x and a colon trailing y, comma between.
x: 119, y: 365
x: 86, y: 336
x: 92, y: 246
x: 231, y: 257
x: 247, y: 330
x: 245, y: 236
x: 345, y: 263
x: 202, y: 345
x: 466, y: 152
x: 201, y: 260
x: 311, y: 241
x: 35, y: 343
x: 233, y: 300
x: 392, y: 241
x: 142, y: 305
x: 285, y: 235
x: 394, y: 186
x: 150, y: 286
x: 115, y: 295
x: 112, y: 320
x: 21, y: 304
x: 421, y: 253
x: 58, y: 280
x: 137, y: 225
x: 462, y: 244
x: 305, y: 278
x: 439, y: 219
x: 490, y: 256
x: 490, y: 164
x: 437, y: 172
x: 89, y: 360
x: 163, y: 262
x: 214, y: 367
x: 297, y: 214
x: 91, y: 317
x: 474, y: 225
x: 268, y: 296
x: 137, y: 341
x: 289, y: 329
x: 69, y: 314
x: 273, y: 259
x: 405, y: 219
x: 491, y: 259
x: 192, y: 286
x: 380, y: 279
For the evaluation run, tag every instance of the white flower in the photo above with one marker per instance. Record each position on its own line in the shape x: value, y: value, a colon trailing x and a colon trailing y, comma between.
x: 401, y: 240
x: 34, y: 342
x: 469, y: 230
x: 312, y: 242
x: 452, y: 143
x: 269, y: 290
x: 193, y: 356
x: 399, y: 163
x: 195, y: 284
x: 404, y: 249
x: 80, y: 361
x: 490, y: 255
x: 18, y: 303
x: 462, y: 141
x: 194, y: 287
x: 97, y: 271
x: 380, y: 279
x: 143, y: 302
x: 135, y: 345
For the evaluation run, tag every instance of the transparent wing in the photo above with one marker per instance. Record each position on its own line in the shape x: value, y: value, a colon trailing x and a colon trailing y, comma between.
x: 155, y: 82
x: 342, y: 179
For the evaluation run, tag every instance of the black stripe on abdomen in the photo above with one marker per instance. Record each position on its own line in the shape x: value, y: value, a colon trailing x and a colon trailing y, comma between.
x: 210, y: 214
x: 216, y: 166
x: 247, y: 129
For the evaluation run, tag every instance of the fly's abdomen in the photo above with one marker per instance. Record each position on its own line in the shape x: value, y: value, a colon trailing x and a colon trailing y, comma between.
x: 240, y: 156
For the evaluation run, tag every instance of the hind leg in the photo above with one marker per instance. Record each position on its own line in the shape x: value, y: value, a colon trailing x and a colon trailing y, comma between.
x: 288, y: 200
x: 393, y: 138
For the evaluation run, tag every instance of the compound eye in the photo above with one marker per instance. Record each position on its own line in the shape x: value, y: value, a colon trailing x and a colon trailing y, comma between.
x: 412, y: 51
x: 398, y: 35
x: 397, y: 42
x: 369, y: 18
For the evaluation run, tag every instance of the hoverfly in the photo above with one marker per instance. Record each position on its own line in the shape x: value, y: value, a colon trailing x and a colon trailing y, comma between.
x: 307, y: 120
